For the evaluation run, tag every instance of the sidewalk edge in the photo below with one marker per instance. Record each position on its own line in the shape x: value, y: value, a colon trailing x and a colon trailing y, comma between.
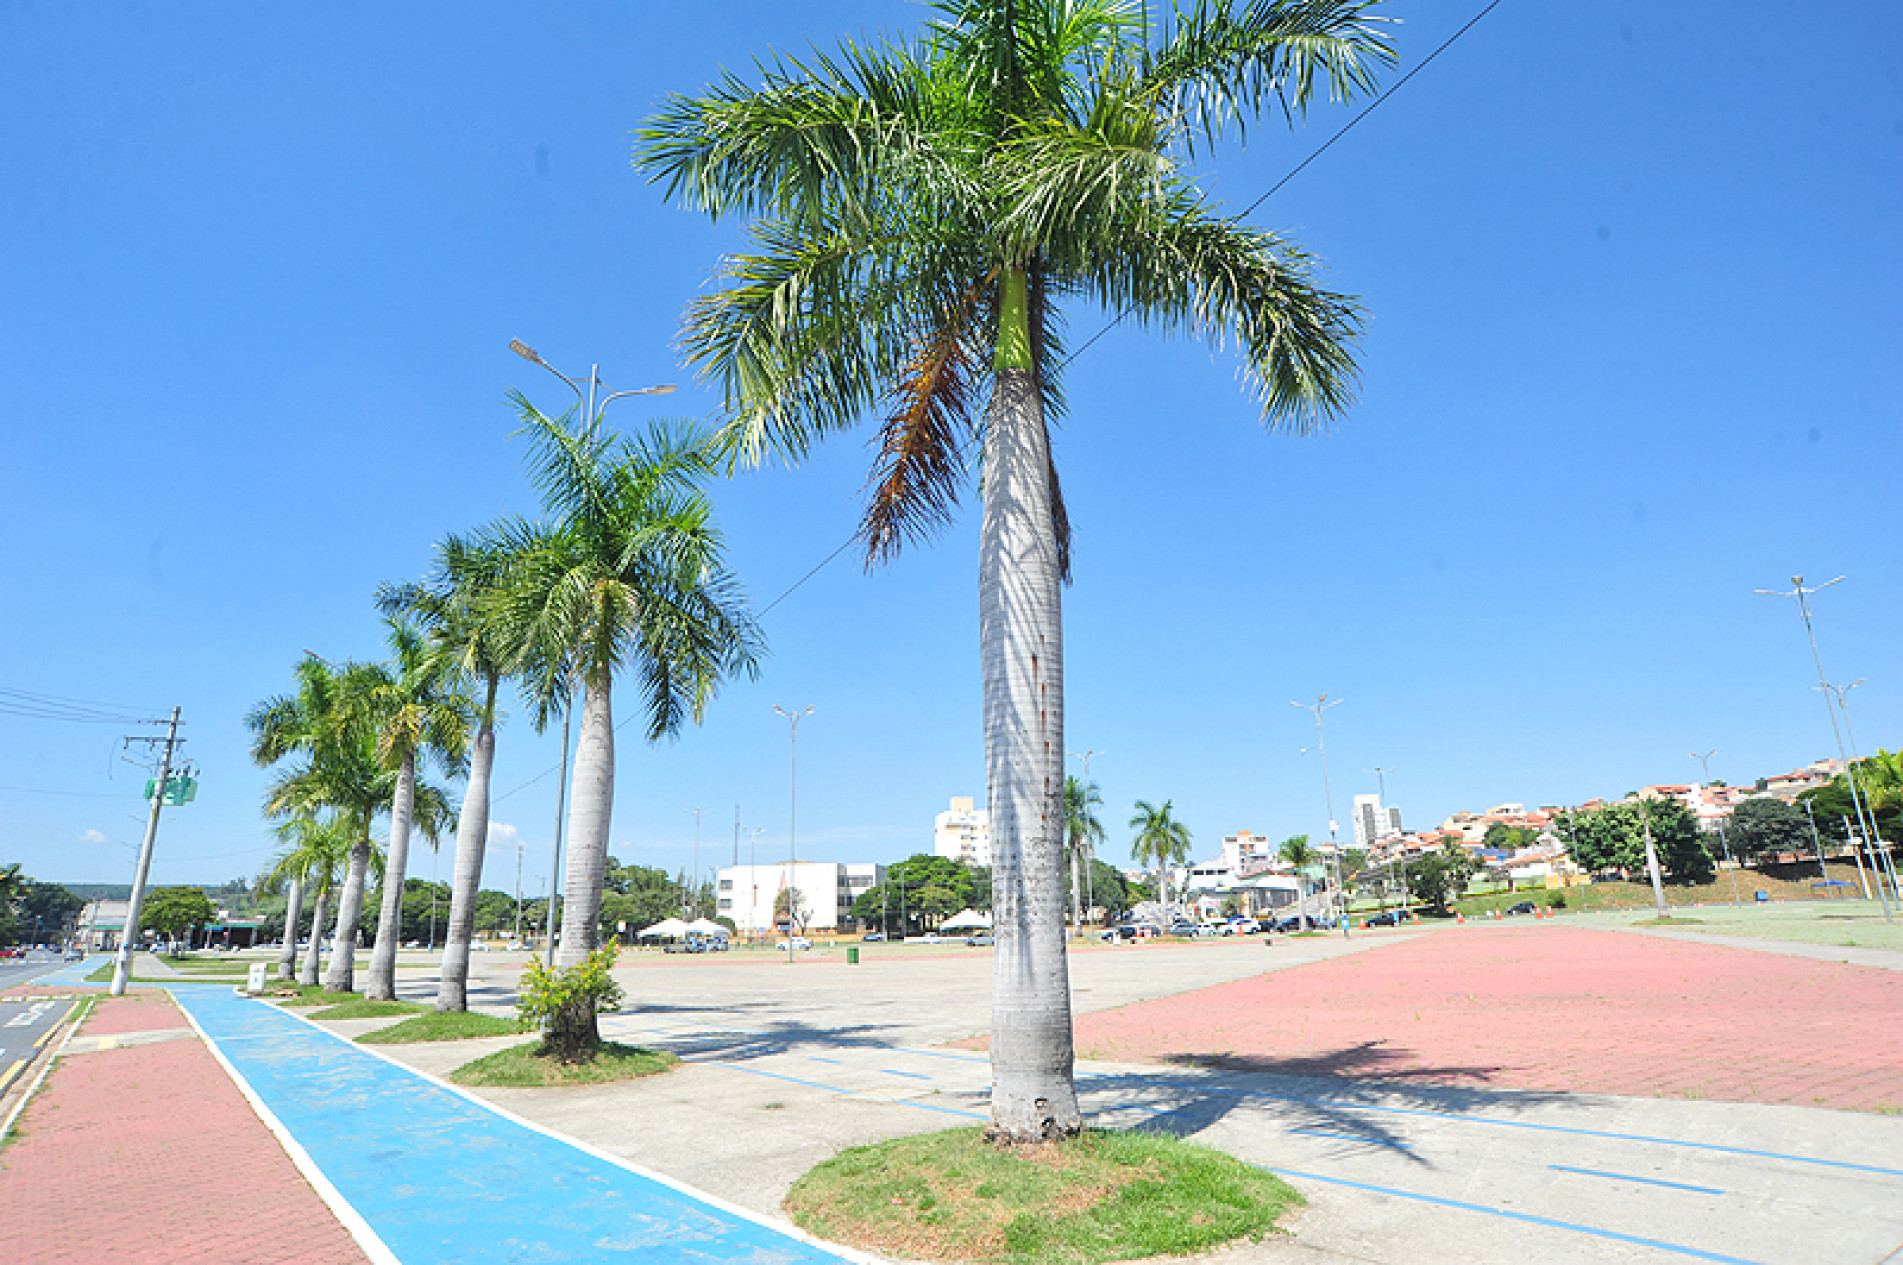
x: 46, y: 1060
x: 353, y: 1221
x: 787, y: 1228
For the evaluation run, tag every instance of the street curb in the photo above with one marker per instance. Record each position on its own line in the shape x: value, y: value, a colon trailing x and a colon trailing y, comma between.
x: 46, y: 1058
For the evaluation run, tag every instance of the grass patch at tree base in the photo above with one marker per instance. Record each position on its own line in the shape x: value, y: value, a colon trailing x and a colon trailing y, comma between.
x: 1101, y: 1196
x: 453, y: 1025
x: 307, y: 995
x: 526, y: 1067
x: 363, y: 1008
x: 1668, y: 921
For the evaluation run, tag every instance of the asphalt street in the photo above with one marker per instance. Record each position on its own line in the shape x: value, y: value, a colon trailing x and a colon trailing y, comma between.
x: 25, y: 1025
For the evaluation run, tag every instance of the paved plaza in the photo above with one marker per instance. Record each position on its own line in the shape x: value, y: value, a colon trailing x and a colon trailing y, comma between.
x: 1473, y: 1145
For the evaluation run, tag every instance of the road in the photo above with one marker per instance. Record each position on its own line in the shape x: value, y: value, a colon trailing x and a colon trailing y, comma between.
x: 25, y: 1025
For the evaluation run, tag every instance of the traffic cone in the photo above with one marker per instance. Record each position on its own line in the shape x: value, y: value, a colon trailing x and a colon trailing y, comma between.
x: 1459, y: 917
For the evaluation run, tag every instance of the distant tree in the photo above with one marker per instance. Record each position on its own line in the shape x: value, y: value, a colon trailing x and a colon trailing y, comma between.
x: 1083, y: 831
x: 921, y: 891
x: 792, y: 907
x: 1507, y: 838
x: 495, y: 911
x: 1441, y: 877
x: 1767, y: 825
x: 1161, y: 840
x: 176, y: 912
x: 1613, y: 837
x: 45, y: 909
x: 1300, y: 855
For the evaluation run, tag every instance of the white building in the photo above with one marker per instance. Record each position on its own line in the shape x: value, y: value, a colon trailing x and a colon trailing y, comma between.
x: 963, y: 833
x: 1374, y: 822
x: 748, y: 894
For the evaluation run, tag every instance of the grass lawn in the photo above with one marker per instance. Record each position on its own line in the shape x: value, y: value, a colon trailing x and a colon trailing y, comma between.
x: 455, y: 1025
x: 1837, y: 923
x: 309, y: 995
x: 360, y: 1007
x: 521, y: 1067
x: 1101, y: 1197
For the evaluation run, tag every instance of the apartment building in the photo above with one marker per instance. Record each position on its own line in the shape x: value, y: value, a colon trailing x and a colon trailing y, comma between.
x: 749, y: 894
x: 963, y: 833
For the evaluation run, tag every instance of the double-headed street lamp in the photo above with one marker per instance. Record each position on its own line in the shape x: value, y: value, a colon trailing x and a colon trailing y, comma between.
x: 1320, y: 705
x: 595, y: 409
x: 1705, y: 761
x: 792, y: 817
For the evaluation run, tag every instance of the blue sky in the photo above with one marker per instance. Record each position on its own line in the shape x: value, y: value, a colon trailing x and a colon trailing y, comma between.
x: 1631, y: 276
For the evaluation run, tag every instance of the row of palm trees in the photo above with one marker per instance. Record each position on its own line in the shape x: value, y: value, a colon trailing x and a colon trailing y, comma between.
x: 623, y: 578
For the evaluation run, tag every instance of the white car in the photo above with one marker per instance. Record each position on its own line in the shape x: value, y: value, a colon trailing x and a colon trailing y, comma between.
x: 797, y: 942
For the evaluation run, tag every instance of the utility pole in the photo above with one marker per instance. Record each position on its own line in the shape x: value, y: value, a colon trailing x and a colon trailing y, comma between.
x: 1320, y: 705
x: 792, y: 819
x: 122, y: 964
x: 1817, y: 842
x: 1801, y: 596
x: 1381, y: 781
x: 1880, y: 860
x: 1705, y: 760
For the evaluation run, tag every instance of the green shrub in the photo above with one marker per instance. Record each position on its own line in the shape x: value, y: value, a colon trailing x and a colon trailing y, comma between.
x: 1556, y: 901
x: 565, y: 1003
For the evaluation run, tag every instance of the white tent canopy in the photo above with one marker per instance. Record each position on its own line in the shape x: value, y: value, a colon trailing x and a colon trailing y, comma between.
x: 964, y: 919
x: 708, y: 927
x: 665, y: 928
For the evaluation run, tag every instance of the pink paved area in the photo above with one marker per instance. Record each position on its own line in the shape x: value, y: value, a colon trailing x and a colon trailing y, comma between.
x: 150, y: 1153
x: 1544, y: 1007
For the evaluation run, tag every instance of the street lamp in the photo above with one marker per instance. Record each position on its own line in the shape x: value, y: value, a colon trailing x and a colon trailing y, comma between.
x: 693, y: 892
x: 1090, y: 896
x: 1381, y: 781
x: 1880, y: 859
x: 792, y: 817
x: 1723, y: 842
x: 1818, y: 843
x: 1320, y: 705
x: 1801, y: 596
x: 595, y: 410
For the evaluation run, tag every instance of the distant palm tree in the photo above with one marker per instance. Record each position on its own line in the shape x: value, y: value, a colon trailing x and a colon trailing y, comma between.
x: 420, y: 714
x: 1300, y: 855
x: 1082, y: 833
x: 460, y: 605
x: 1161, y: 841
x: 628, y: 576
x: 326, y: 727
x: 317, y: 849
x: 921, y: 212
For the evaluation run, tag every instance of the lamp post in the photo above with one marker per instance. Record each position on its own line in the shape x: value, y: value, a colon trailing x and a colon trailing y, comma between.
x: 1381, y: 783
x: 595, y: 409
x: 1089, y: 896
x: 1818, y: 843
x: 792, y: 816
x: 693, y: 891
x: 1320, y: 705
x: 1801, y: 596
x: 1723, y: 842
x: 1879, y: 859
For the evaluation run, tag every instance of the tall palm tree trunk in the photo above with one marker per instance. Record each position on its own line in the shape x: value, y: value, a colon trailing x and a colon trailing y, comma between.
x: 1076, y: 894
x: 591, y: 800
x: 308, y: 978
x: 293, y: 910
x: 343, y: 947
x: 382, y: 983
x: 472, y: 838
x: 1021, y: 643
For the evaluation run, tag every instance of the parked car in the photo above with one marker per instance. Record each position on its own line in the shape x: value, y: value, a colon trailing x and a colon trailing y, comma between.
x: 1387, y: 918
x: 873, y: 937
x: 932, y: 937
x: 1241, y: 927
x: 1524, y: 907
x: 797, y: 942
x: 1123, y: 934
x: 980, y: 940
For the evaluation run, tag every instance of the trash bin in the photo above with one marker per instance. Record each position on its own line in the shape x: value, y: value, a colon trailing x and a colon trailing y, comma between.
x: 1764, y: 897
x: 852, y: 955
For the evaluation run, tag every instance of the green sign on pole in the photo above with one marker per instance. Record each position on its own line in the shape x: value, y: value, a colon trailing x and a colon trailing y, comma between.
x: 178, y: 790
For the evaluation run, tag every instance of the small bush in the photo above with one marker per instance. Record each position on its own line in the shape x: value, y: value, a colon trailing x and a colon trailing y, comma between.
x: 1557, y: 901
x: 565, y: 1004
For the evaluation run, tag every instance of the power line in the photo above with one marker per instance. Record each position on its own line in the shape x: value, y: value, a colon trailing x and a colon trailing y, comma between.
x: 35, y: 790
x: 36, y: 706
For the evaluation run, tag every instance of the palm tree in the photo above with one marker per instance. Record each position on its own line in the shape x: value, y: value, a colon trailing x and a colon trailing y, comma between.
x: 421, y: 713
x: 628, y: 576
x: 1161, y: 841
x: 920, y: 212
x: 317, y: 847
x: 1082, y: 833
x: 1300, y: 854
x: 327, y: 727
x: 459, y: 604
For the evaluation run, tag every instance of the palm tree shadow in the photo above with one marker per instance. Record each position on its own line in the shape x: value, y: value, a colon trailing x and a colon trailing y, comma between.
x: 1359, y: 1095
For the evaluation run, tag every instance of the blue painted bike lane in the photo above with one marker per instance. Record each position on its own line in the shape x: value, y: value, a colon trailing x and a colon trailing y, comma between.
x: 439, y: 1177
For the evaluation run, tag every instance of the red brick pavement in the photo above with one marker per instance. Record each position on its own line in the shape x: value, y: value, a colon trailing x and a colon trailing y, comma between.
x: 1545, y: 1007
x: 150, y: 1153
